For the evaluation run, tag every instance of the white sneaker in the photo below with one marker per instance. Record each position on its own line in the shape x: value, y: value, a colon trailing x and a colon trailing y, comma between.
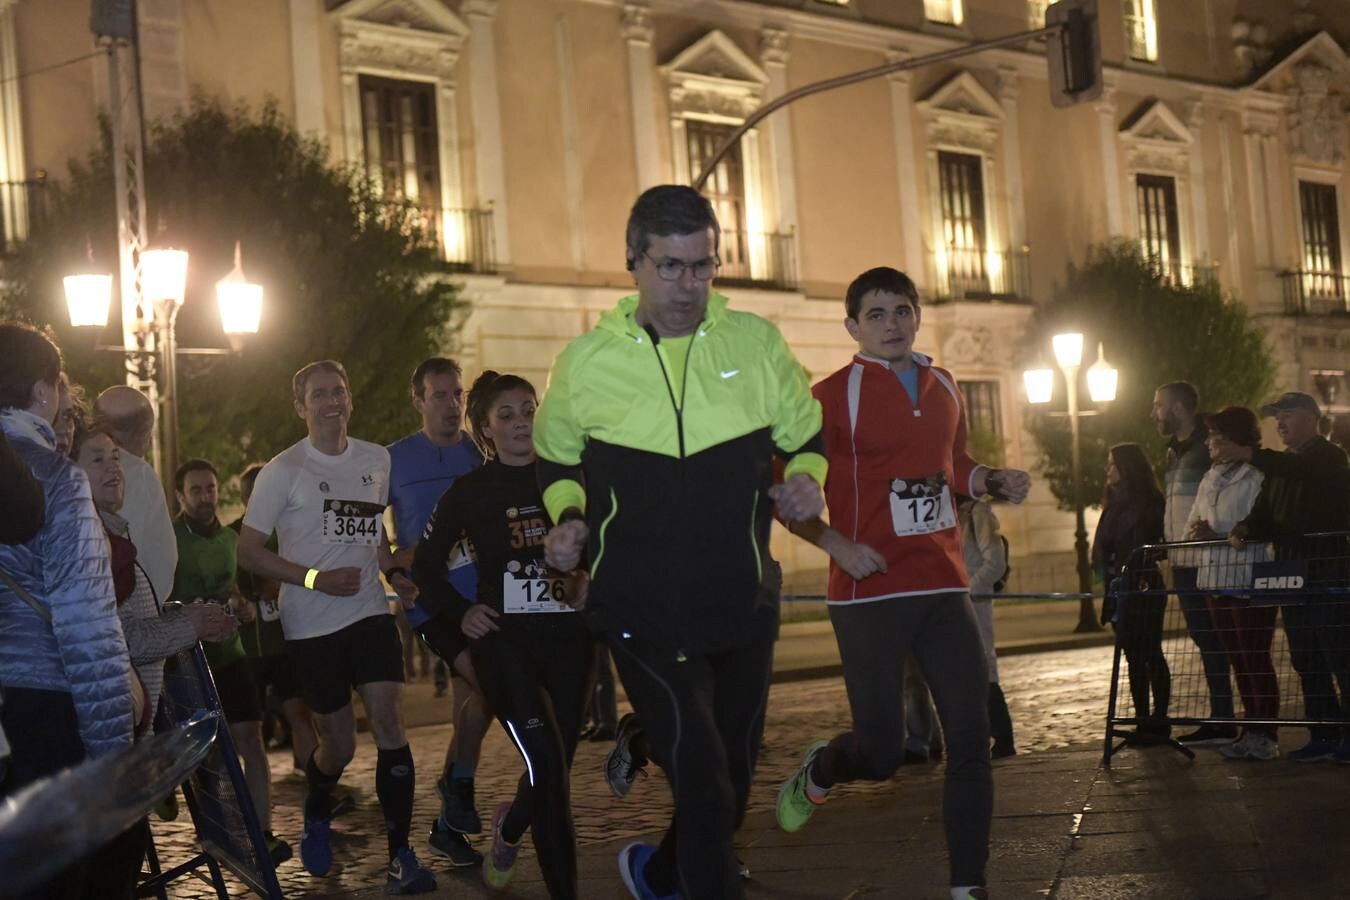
x: 1263, y: 747
x: 1237, y: 749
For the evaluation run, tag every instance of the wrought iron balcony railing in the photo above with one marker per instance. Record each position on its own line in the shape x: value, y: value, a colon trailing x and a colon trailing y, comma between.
x: 969, y: 273
x: 758, y: 259
x: 1312, y: 293
x: 465, y: 237
x: 1179, y: 274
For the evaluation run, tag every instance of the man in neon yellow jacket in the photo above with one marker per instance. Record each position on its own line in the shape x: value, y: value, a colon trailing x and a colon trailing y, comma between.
x: 656, y: 441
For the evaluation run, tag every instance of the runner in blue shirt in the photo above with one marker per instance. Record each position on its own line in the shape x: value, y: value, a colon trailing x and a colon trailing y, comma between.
x: 423, y: 466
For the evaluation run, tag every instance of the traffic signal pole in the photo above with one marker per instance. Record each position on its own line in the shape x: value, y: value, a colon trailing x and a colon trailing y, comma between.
x: 1073, y: 53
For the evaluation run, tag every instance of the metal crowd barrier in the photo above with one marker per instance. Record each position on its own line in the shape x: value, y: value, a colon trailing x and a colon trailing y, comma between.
x: 217, y: 796
x: 1255, y: 637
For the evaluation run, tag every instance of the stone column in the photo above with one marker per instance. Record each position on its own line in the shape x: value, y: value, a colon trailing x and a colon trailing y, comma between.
x: 637, y: 33
x: 907, y: 173
x: 306, y: 72
x: 773, y: 56
x: 487, y: 119
x: 1106, y: 123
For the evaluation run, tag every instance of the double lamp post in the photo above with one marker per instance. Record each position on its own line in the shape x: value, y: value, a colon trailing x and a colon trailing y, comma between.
x: 164, y: 287
x: 1101, y: 382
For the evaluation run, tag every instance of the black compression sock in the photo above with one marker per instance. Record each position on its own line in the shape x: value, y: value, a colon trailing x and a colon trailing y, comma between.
x: 394, y: 782
x: 319, y: 799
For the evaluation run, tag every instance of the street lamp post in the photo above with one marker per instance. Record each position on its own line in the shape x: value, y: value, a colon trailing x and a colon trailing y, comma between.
x: 1102, y: 380
x: 164, y: 285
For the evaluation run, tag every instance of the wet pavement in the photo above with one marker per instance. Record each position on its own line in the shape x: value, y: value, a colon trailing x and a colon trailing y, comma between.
x: 1153, y: 825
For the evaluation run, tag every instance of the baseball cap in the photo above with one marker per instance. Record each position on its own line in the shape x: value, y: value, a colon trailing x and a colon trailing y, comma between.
x: 1291, y: 400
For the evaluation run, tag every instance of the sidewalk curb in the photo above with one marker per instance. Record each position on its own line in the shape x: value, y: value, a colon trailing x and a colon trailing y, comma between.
x: 810, y: 673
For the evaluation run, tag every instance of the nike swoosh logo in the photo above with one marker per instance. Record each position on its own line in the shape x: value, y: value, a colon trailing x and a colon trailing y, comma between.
x: 730, y: 374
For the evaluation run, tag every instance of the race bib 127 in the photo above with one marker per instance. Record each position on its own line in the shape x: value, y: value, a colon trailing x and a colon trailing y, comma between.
x: 355, y: 522
x: 922, y: 505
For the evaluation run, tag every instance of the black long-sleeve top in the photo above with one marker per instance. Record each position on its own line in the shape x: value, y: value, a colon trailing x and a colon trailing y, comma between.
x: 500, y: 509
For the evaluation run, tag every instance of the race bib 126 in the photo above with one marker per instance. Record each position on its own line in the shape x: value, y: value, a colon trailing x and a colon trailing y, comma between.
x: 921, y: 506
x: 533, y: 589
x: 355, y: 522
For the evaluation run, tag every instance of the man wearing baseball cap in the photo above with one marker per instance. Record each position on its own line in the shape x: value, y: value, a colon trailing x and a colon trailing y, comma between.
x: 1307, y: 490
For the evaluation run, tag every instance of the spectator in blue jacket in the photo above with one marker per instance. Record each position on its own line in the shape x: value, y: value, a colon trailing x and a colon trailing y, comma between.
x: 64, y: 668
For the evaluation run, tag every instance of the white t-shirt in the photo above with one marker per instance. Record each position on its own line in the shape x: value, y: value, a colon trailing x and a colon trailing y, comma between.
x: 151, y: 529
x: 328, y: 513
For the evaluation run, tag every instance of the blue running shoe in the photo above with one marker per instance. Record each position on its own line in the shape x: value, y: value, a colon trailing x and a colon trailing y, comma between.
x: 316, y: 853
x: 407, y: 876
x: 632, y: 861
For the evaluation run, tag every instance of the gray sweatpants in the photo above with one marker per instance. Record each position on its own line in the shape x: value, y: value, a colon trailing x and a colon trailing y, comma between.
x: 940, y: 630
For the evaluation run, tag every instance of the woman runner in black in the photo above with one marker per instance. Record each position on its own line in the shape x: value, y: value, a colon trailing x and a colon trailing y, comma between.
x: 531, y: 652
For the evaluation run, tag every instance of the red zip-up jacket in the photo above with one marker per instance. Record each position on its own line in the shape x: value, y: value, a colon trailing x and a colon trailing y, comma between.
x: 877, y: 442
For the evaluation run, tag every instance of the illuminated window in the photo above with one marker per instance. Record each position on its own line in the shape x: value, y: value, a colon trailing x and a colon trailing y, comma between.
x: 1159, y: 233
x: 1141, y: 29
x: 961, y: 188
x: 1321, y: 231
x: 1036, y: 13
x: 401, y: 140
x: 945, y: 12
x: 982, y: 407
x: 833, y: 2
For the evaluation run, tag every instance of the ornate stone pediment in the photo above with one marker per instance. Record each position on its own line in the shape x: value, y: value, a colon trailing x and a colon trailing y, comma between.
x: 399, y: 37
x: 1317, y: 118
x: 1156, y: 139
x: 961, y: 112
x: 714, y: 76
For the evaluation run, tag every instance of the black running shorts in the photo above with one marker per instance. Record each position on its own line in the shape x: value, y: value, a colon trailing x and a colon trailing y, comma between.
x: 366, y: 651
x: 238, y: 692
x: 277, y: 672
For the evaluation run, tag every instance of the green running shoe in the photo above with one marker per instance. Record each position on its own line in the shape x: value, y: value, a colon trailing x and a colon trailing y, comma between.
x: 499, y: 865
x: 794, y: 805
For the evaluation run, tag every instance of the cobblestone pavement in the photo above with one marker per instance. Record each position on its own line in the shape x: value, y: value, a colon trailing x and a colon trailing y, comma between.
x: 1057, y: 699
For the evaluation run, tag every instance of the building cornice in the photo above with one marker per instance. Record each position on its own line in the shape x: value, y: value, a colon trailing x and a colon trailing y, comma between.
x: 833, y: 29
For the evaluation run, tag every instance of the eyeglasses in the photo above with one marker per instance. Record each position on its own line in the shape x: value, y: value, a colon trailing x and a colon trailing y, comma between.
x: 673, y: 269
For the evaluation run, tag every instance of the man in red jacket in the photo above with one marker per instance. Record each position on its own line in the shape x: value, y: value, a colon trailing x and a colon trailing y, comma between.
x: 895, y: 436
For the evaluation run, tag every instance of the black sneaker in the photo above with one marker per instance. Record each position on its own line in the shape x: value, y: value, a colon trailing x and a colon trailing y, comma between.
x: 453, y: 846
x: 457, y: 808
x: 1210, y: 734
x: 277, y: 849
x: 621, y: 766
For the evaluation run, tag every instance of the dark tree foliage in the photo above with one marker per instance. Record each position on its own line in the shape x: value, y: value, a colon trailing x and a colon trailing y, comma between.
x: 1153, y: 333
x: 347, y: 276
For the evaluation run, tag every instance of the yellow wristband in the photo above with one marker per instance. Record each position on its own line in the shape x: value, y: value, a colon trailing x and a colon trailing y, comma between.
x: 310, y: 578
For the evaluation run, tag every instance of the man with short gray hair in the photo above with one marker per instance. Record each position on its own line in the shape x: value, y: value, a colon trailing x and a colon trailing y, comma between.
x: 130, y: 420
x: 1307, y: 490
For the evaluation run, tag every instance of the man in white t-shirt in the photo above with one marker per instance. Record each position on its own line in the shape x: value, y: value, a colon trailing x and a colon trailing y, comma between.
x: 325, y: 497
x: 130, y: 420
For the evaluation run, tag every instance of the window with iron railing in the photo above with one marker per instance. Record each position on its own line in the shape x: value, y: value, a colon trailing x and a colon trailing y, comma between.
x: 402, y: 142
x: 749, y: 257
x: 1321, y: 227
x: 961, y: 192
x: 725, y: 188
x: 1318, y: 286
x: 1141, y: 30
